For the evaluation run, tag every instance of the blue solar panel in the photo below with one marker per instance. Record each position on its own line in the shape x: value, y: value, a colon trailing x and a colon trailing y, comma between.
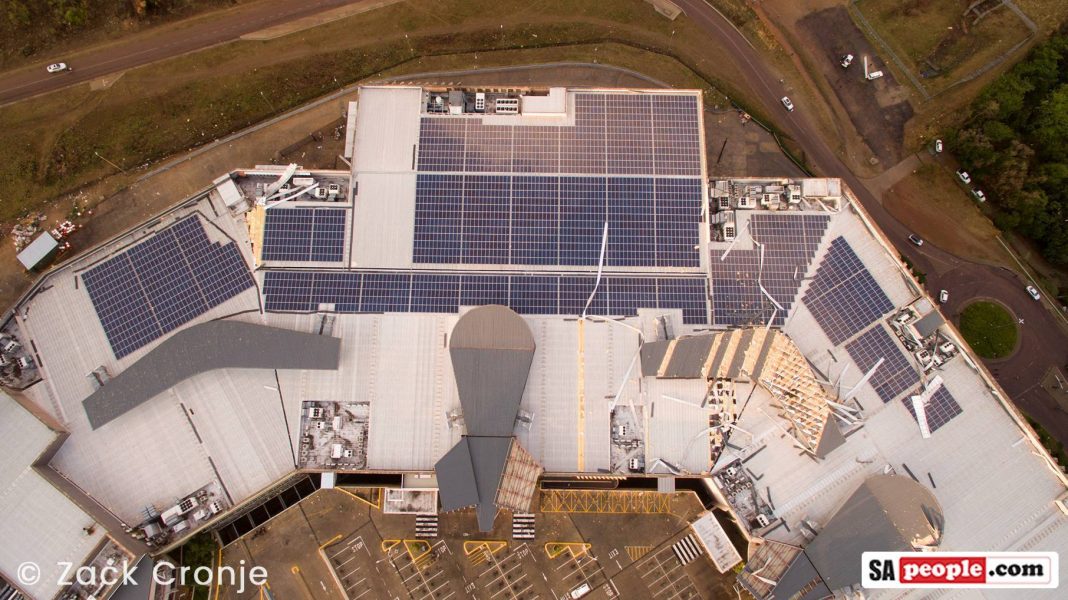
x: 486, y: 209
x: 167, y: 281
x: 844, y: 298
x: 304, y: 234
x: 162, y: 283
x: 631, y: 211
x: 386, y: 292
x: 616, y: 134
x: 895, y: 375
x: 678, y: 207
x: 535, y: 221
x: 438, y: 218
x: 790, y: 241
x: 582, y: 217
x: 941, y: 408
x: 480, y: 290
x: 549, y: 294
x: 121, y: 305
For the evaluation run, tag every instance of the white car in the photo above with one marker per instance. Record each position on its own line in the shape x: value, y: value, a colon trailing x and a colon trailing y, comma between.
x: 57, y: 67
x: 943, y: 297
x: 915, y: 239
x: 1033, y: 292
x: 786, y: 102
x: 964, y: 176
x: 847, y: 60
x: 938, y: 146
x: 979, y: 195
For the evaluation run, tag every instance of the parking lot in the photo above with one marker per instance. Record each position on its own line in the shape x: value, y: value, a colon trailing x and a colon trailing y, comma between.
x: 334, y: 546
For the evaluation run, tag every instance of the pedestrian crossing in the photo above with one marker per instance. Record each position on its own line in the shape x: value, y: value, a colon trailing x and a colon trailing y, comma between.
x: 523, y: 526
x: 426, y: 526
x: 687, y: 549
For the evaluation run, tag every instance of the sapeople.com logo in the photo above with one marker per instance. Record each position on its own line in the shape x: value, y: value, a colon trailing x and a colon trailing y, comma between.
x: 959, y: 570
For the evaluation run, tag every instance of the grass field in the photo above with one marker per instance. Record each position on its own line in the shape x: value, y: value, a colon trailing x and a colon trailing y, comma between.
x: 989, y: 329
x: 937, y: 43
x: 60, y: 142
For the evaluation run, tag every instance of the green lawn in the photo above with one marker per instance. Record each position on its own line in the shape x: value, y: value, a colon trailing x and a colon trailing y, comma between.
x: 989, y: 329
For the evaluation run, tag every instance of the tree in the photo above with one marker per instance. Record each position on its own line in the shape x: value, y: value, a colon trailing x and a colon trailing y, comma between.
x: 1050, y: 128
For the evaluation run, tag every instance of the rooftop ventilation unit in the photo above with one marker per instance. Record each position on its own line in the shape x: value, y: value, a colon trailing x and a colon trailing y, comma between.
x: 506, y: 106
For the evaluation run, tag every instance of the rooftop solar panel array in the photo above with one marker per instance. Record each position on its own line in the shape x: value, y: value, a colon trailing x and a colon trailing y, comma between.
x: 304, y: 234
x: 790, y: 241
x: 895, y: 375
x: 163, y: 283
x: 843, y: 297
x: 941, y: 408
x: 613, y: 134
x: 550, y: 294
x: 531, y: 220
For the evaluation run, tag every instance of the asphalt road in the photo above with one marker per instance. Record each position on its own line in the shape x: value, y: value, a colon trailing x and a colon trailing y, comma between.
x: 166, y: 42
x: 1043, y: 342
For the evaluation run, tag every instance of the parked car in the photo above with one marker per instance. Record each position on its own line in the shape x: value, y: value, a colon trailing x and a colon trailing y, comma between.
x: 847, y: 60
x: 979, y: 195
x: 786, y: 102
x: 57, y: 67
x: 964, y: 176
x: 943, y: 297
x: 938, y: 146
x: 1033, y: 292
x: 915, y: 239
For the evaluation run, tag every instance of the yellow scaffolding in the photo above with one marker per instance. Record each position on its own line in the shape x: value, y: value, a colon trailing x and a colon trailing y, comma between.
x: 604, y: 501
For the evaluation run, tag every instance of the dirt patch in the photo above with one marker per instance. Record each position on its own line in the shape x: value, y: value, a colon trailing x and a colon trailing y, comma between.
x: 931, y: 204
x: 878, y: 109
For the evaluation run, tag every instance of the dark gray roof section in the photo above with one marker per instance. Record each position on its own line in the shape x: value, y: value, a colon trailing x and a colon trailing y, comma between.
x: 491, y: 349
x: 887, y: 513
x: 652, y: 355
x: 830, y: 439
x: 205, y: 347
x: 469, y: 474
x: 929, y: 323
x: 765, y: 350
x: 456, y: 477
x: 802, y: 582
x: 721, y: 351
x: 739, y: 353
x: 142, y: 582
x: 689, y: 357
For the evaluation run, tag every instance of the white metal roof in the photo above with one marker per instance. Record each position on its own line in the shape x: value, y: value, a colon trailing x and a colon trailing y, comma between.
x: 49, y: 527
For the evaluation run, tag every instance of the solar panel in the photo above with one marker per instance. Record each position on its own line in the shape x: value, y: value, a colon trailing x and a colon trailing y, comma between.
x: 162, y: 283
x: 121, y: 305
x: 538, y: 220
x: 941, y: 408
x: 895, y: 375
x: 844, y: 298
x: 304, y: 234
x: 548, y: 294
x: 790, y: 241
x: 167, y: 281
x: 613, y: 134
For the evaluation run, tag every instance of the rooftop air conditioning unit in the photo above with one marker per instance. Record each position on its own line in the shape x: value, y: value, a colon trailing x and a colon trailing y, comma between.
x: 333, y: 189
x: 724, y: 203
x: 316, y: 413
x: 769, y: 199
x: 480, y: 102
x: 762, y: 520
x: 320, y: 192
x: 506, y: 106
x: 745, y: 202
x: 728, y: 233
